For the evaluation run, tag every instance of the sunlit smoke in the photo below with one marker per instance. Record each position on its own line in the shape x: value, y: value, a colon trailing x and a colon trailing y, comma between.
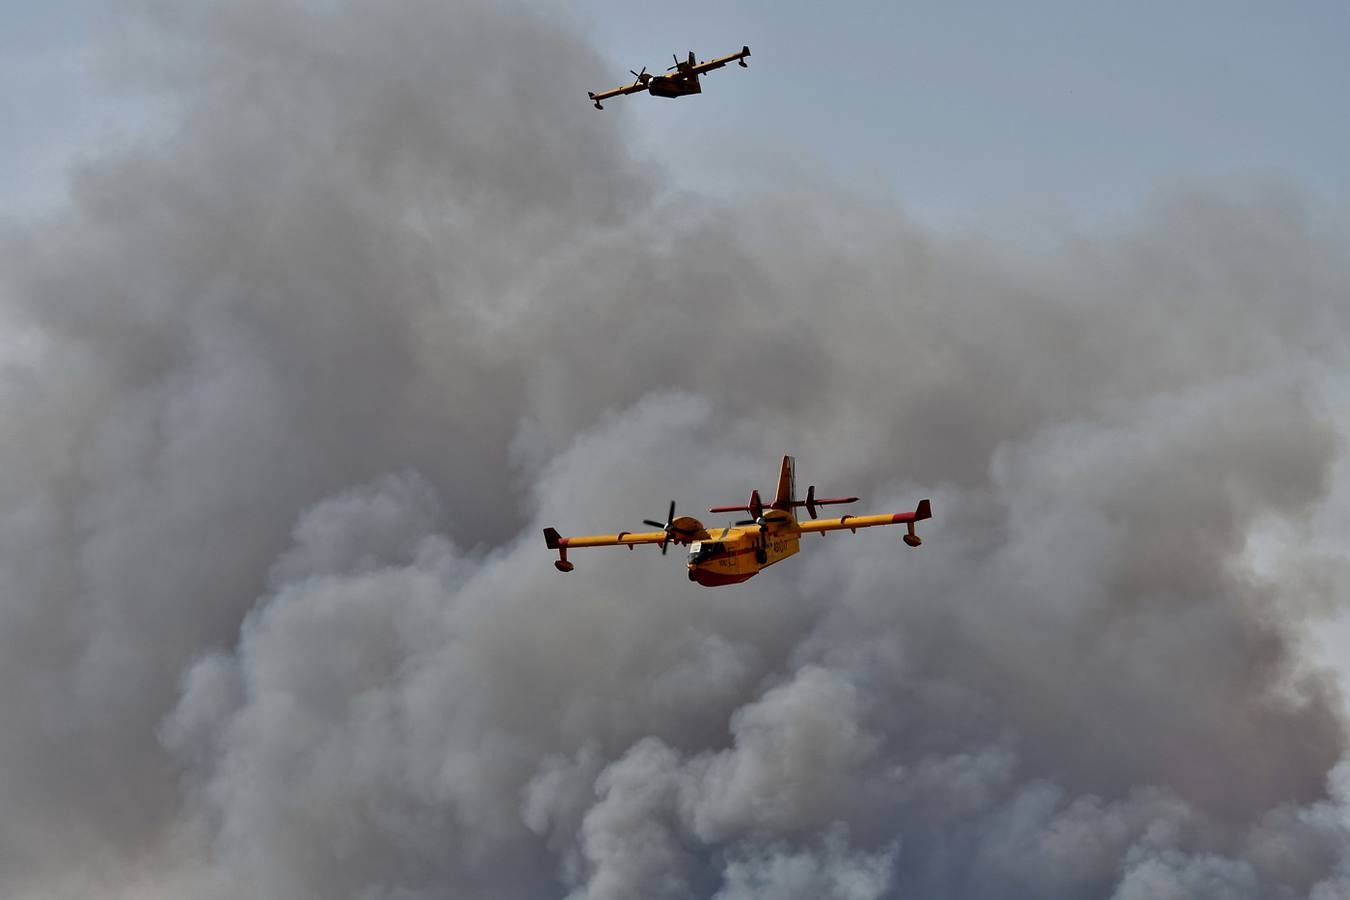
x: 312, y: 371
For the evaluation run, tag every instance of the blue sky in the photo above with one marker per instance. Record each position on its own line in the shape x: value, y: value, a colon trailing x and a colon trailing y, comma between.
x: 974, y: 114
x: 1006, y: 110
x: 46, y: 96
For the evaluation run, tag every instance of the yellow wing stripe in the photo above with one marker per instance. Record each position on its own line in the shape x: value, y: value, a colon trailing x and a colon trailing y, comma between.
x: 852, y: 522
x: 626, y: 538
x: 619, y: 91
x: 719, y: 62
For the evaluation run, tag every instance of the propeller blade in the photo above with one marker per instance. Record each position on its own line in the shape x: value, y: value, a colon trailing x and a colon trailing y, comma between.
x: 668, y: 526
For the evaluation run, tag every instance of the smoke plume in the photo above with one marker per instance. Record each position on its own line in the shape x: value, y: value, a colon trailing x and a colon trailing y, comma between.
x: 295, y: 385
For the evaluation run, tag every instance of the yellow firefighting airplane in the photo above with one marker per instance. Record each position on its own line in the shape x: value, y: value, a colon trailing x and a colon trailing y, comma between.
x: 739, y: 551
x: 682, y: 80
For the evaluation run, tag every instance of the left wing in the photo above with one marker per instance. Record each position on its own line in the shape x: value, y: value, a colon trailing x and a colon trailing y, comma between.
x: 853, y: 523
x: 719, y: 63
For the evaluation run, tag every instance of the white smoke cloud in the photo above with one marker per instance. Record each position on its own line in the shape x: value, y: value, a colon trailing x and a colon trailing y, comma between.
x: 277, y: 619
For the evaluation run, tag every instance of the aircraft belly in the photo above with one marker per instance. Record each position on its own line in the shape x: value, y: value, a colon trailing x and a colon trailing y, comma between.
x: 710, y: 578
x: 677, y: 89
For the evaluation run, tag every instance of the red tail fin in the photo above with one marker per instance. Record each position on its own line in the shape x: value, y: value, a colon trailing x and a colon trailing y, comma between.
x: 787, y: 486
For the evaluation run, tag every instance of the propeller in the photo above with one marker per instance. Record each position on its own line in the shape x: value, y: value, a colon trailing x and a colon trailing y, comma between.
x: 642, y: 76
x: 677, y: 63
x: 764, y: 520
x: 668, y: 526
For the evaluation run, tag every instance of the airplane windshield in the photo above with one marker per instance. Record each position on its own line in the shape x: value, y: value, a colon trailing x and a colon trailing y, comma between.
x: 701, y: 550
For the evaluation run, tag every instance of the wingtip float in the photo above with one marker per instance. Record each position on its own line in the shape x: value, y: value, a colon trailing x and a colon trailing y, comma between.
x: 738, y: 552
x: 680, y: 79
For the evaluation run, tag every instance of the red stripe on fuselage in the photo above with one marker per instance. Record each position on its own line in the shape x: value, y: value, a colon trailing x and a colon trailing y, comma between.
x: 717, y: 579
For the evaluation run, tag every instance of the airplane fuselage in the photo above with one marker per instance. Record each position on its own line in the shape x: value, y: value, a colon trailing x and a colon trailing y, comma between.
x: 738, y: 554
x: 674, y: 86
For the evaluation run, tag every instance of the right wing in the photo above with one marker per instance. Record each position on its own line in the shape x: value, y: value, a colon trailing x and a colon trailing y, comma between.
x: 629, y: 539
x: 623, y: 538
x: 633, y: 88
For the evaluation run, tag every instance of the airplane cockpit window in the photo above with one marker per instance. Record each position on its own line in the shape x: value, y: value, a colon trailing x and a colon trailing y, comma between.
x: 701, y: 550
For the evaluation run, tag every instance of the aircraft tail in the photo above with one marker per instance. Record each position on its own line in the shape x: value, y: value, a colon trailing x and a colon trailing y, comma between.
x: 787, y: 486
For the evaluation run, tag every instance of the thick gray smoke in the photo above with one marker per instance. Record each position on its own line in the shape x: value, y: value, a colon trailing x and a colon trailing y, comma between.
x: 302, y: 380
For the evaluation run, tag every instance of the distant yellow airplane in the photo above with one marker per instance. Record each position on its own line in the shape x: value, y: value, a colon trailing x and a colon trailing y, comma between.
x: 739, y: 551
x: 682, y: 81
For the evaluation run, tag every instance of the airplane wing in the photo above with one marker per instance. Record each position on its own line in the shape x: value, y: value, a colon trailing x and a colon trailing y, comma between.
x: 684, y: 530
x: 853, y: 523
x: 719, y: 63
x: 623, y: 538
x: 633, y: 88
